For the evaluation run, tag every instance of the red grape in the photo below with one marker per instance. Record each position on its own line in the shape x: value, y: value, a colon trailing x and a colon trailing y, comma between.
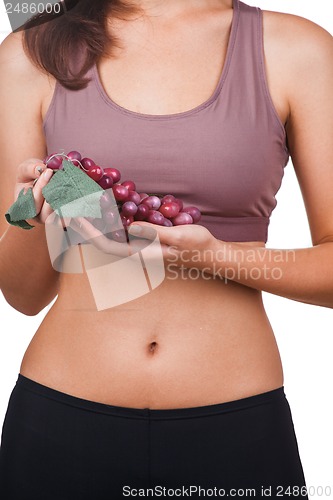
x: 134, y: 196
x: 126, y: 220
x: 55, y: 163
x: 106, y: 182
x: 106, y: 201
x: 143, y: 196
x: 180, y: 203
x: 155, y: 217
x: 169, y: 210
x: 75, y: 157
x: 110, y: 216
x: 120, y: 192
x: 182, y: 218
x: 129, y: 208
x: 114, y: 173
x: 194, y: 213
x: 46, y: 159
x: 87, y: 163
x: 95, y: 173
x: 153, y: 202
x: 142, y: 212
x: 130, y: 185
x: 168, y: 198
x: 167, y: 222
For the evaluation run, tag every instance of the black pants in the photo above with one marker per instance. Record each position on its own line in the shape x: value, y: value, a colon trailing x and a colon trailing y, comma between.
x: 60, y: 447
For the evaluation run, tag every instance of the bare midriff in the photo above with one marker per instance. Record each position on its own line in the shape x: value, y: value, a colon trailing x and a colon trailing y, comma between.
x: 188, y: 342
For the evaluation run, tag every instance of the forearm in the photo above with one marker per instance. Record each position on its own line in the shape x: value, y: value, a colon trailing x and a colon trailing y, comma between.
x: 27, y: 278
x: 305, y: 275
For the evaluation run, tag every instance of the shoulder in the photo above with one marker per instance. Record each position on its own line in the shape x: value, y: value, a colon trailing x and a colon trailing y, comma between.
x: 298, y: 40
x: 299, y: 53
x: 18, y: 70
x: 13, y: 56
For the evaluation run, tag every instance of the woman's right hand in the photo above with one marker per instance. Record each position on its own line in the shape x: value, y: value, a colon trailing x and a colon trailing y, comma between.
x: 34, y: 173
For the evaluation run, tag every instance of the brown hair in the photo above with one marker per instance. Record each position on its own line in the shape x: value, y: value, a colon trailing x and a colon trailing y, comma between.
x: 50, y: 40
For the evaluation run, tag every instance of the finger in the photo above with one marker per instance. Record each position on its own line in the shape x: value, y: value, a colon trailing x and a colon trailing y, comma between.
x: 85, y: 228
x: 93, y: 235
x: 167, y: 235
x: 143, y: 230
x: 53, y: 219
x: 43, y: 216
x: 30, y: 170
x: 138, y: 244
x: 37, y: 189
x: 45, y: 212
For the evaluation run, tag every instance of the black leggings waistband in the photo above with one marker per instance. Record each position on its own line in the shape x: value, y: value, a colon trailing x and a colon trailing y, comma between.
x: 170, y: 413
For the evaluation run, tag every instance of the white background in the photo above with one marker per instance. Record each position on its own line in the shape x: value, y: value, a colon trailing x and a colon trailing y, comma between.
x: 304, y: 332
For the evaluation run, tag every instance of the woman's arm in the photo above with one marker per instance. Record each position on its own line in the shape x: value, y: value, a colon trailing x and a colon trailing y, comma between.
x: 305, y: 55
x: 305, y: 275
x: 27, y: 279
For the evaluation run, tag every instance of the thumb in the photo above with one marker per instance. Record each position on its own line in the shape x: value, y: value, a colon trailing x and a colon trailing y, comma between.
x: 143, y: 229
x: 30, y: 170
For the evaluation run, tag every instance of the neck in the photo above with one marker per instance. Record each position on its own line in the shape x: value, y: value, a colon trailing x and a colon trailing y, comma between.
x: 170, y: 8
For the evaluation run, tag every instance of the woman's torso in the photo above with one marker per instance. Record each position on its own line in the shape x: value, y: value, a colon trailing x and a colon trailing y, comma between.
x: 188, y: 342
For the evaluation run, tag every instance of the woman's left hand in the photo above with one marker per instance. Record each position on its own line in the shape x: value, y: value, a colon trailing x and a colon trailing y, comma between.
x: 187, y: 245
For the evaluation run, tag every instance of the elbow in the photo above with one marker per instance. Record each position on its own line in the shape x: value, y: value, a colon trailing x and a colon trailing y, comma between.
x: 27, y: 308
x: 28, y: 312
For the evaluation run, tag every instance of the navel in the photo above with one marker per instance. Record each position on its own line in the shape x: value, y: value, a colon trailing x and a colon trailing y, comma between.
x: 152, y: 347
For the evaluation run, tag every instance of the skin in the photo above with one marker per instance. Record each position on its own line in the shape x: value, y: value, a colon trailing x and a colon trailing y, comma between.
x: 187, y: 342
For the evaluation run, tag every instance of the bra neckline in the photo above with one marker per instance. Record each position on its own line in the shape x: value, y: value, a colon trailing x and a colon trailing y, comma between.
x: 209, y: 101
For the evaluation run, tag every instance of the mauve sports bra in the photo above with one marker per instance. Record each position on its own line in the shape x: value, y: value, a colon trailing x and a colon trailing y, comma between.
x: 225, y: 156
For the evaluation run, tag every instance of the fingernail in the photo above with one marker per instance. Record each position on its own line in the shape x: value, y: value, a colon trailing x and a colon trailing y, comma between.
x: 48, y: 173
x: 135, y: 229
x: 38, y: 170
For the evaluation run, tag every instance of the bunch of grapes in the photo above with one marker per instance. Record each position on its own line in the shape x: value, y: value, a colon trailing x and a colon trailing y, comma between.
x: 130, y: 205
